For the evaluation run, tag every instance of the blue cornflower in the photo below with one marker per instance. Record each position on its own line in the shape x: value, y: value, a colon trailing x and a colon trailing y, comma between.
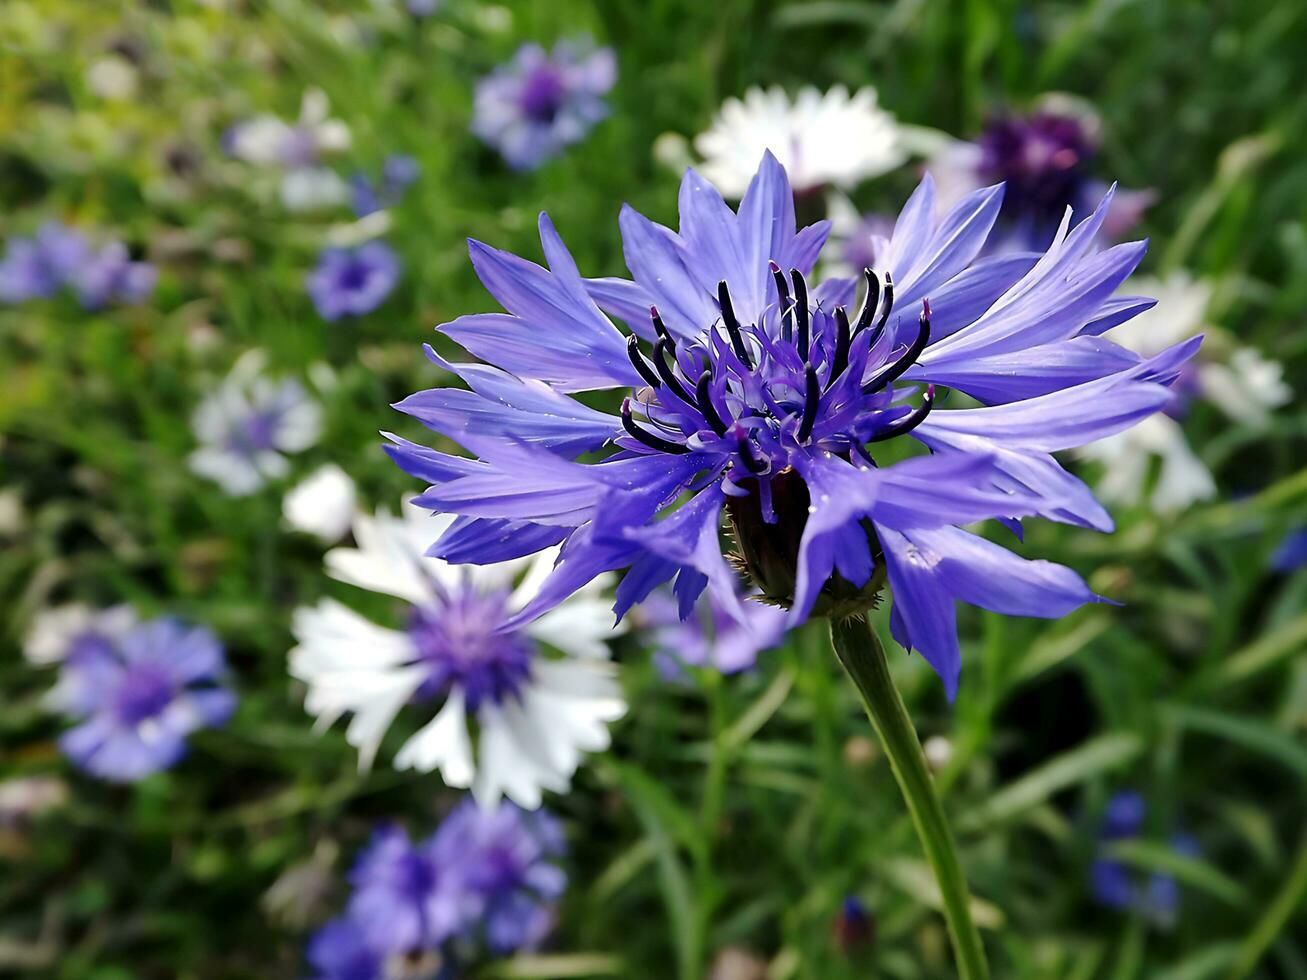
x: 541, y: 102
x: 398, y: 172
x: 137, y: 700
x: 406, y: 897
x: 506, y: 861
x: 769, y: 401
x: 712, y: 636
x: 353, y: 281
x: 1114, y: 884
x: 60, y: 257
x: 340, y: 951
x: 1292, y: 551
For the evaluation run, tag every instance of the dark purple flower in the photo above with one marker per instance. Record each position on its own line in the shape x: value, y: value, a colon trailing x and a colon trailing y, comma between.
x: 353, y: 282
x: 505, y: 859
x: 712, y: 636
x: 406, y: 898
x: 1292, y: 552
x: 763, y: 399
x: 1115, y: 884
x: 137, y: 702
x: 542, y: 102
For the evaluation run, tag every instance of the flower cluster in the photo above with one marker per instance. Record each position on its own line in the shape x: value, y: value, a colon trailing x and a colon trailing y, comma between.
x: 466, y: 655
x: 59, y: 258
x: 484, y: 883
x: 773, y: 403
x: 136, y: 692
x: 1114, y: 884
x: 541, y: 102
x: 248, y: 423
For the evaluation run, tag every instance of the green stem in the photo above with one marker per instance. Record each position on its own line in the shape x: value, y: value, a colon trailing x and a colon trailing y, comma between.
x: 859, y: 650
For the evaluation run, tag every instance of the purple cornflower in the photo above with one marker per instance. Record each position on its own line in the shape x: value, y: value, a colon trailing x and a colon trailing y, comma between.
x: 353, y: 281
x: 398, y: 173
x: 1045, y: 158
x: 407, y: 898
x: 340, y: 951
x: 542, y: 102
x: 137, y: 702
x: 712, y: 636
x: 505, y: 859
x: 1114, y: 884
x: 1292, y: 551
x: 766, y: 400
x: 59, y: 257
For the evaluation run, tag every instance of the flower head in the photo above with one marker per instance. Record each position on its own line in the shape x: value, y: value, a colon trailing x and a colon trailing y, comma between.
x: 1114, y: 884
x: 248, y: 423
x: 1045, y: 157
x: 759, y: 397
x: 340, y: 951
x: 505, y: 859
x: 322, y: 504
x: 821, y: 139
x: 353, y: 281
x: 405, y: 897
x: 137, y: 702
x: 538, y: 104
x: 59, y: 257
x: 270, y: 141
x: 465, y: 654
x: 712, y: 636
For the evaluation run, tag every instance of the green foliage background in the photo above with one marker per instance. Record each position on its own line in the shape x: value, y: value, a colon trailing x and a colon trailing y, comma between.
x: 732, y: 812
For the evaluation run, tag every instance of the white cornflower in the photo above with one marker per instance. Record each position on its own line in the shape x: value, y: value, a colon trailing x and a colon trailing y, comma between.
x: 462, y: 661
x: 322, y: 504
x: 248, y: 423
x: 821, y: 139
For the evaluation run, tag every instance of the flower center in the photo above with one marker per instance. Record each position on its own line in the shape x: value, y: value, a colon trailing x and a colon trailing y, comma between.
x: 354, y: 276
x: 145, y: 692
x: 456, y: 639
x: 799, y: 380
x: 255, y: 433
x: 543, y: 94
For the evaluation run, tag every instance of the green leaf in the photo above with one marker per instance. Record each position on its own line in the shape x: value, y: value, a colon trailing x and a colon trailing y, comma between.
x: 1248, y: 733
x: 1194, y: 872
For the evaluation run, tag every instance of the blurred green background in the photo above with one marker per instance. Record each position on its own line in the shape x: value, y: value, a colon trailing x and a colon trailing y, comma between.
x: 733, y: 813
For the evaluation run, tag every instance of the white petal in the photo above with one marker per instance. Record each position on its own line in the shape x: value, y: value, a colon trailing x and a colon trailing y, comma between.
x: 442, y: 744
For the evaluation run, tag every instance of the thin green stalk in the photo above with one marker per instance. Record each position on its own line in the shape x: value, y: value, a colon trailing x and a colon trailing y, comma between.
x: 859, y: 650
x: 1276, y: 916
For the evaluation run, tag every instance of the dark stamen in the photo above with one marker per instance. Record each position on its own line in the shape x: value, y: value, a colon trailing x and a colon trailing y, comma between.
x: 869, y: 302
x: 909, y: 421
x: 801, y: 316
x: 642, y: 366
x: 892, y: 373
x: 661, y: 350
x: 647, y: 438
x: 811, y: 396
x: 733, y: 325
x: 840, y: 360
x: 865, y: 453
x: 660, y: 328
x: 704, y: 401
x: 783, y: 294
x: 887, y: 304
x: 754, y: 464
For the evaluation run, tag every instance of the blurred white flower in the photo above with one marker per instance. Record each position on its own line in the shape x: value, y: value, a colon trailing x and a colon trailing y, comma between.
x: 1246, y: 388
x: 938, y: 751
x: 821, y: 139
x: 1182, y: 479
x: 298, y: 148
x: 313, y: 189
x: 28, y: 797
x: 248, y: 423
x: 322, y: 504
x: 1180, y: 312
x: 462, y: 659
x: 74, y: 630
x: 13, y: 516
x: 112, y: 78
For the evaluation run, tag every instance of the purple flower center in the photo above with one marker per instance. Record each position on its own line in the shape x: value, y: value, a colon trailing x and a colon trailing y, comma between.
x: 456, y: 638
x: 755, y: 393
x: 1042, y: 158
x: 256, y: 433
x: 145, y: 692
x: 354, y: 275
x: 544, y: 91
x: 300, y: 148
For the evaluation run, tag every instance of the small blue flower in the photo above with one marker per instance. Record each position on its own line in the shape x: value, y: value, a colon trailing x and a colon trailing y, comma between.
x: 1115, y: 885
x: 712, y: 636
x: 59, y: 257
x: 506, y: 860
x: 353, y: 282
x: 1292, y: 551
x: 340, y: 951
x: 406, y: 898
x: 759, y: 398
x: 398, y: 172
x: 137, y: 702
x: 542, y: 102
